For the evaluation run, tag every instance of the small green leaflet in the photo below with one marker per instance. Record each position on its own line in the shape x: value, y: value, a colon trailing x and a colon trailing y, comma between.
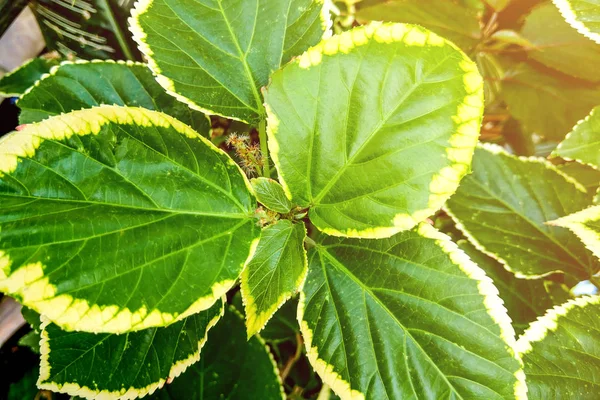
x: 218, y: 54
x: 583, y: 15
x: 557, y: 45
x: 544, y: 103
x: 230, y: 367
x: 15, y: 83
x: 374, y: 128
x: 275, y: 273
x: 115, y: 366
x: 75, y: 86
x: 524, y: 299
x: 406, y: 317
x: 117, y: 218
x: 586, y: 225
x: 503, y: 207
x: 561, y: 352
x: 457, y: 22
x: 583, y: 143
x: 270, y: 194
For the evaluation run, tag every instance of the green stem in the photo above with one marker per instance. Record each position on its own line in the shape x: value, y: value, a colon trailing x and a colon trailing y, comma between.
x: 264, y: 149
x: 118, y: 32
x: 324, y: 393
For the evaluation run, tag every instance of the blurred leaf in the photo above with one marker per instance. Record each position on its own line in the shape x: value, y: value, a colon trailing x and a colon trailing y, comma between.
x: 587, y: 176
x: 26, y: 388
x: 15, y: 83
x: 88, y: 29
x: 559, y: 46
x: 9, y: 10
x: 31, y: 340
x: 283, y: 326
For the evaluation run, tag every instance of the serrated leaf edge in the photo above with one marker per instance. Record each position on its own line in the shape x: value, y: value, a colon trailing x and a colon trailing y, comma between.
x: 29, y: 283
x: 464, y: 143
x: 494, y: 305
x: 576, y: 224
x: 74, y: 389
x: 539, y: 329
x: 139, y: 36
x: 14, y: 71
x: 495, y: 149
x: 557, y: 152
x: 569, y: 15
x: 255, y: 322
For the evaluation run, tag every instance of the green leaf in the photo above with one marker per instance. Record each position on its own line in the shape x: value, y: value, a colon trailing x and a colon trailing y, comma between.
x: 15, y: 83
x: 586, y: 225
x: 374, y: 128
x: 31, y: 340
x: 559, y: 46
x: 25, y: 389
x: 457, y: 22
x: 587, y: 176
x: 275, y: 273
x: 283, y: 326
x: 561, y: 352
x: 503, y: 208
x: 583, y: 15
x: 271, y: 195
x: 218, y: 54
x: 91, y: 29
x: 524, y: 299
x: 583, y: 143
x: 406, y: 317
x: 122, y: 366
x: 115, y: 219
x: 74, y: 86
x: 547, y: 104
x: 231, y: 367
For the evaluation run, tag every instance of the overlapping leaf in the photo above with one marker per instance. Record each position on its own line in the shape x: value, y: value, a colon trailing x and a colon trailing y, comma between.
x: 74, y: 86
x: 561, y: 352
x: 216, y: 55
x: 559, y: 46
x: 230, y: 367
x: 122, y: 366
x: 374, y: 128
x: 275, y: 273
x: 406, y: 317
x: 15, y: 83
x: 583, y: 143
x: 503, y: 208
x: 586, y: 225
x: 586, y: 175
x: 115, y: 219
x: 583, y: 15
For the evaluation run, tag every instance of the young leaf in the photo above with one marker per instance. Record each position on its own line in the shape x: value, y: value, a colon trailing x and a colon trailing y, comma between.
x: 524, y: 299
x: 557, y: 45
x: 374, y: 128
x: 406, y: 317
x: 582, y: 144
x: 586, y: 225
x: 583, y: 15
x: 457, y: 22
x: 561, y: 352
x: 15, y: 83
x: 218, y: 54
x: 122, y: 366
x: 116, y: 219
x: 271, y: 195
x: 547, y: 104
x: 74, y: 86
x: 275, y: 273
x: 230, y: 367
x: 503, y: 208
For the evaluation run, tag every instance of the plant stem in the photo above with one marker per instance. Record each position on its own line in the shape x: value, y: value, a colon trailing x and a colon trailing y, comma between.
x: 324, y: 392
x: 290, y: 363
x: 264, y: 149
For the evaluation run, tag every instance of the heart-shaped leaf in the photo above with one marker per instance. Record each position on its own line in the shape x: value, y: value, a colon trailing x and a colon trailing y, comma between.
x: 230, y: 367
x: 115, y: 366
x: 503, y: 208
x: 218, y: 54
x: 583, y: 15
x: 406, y: 317
x: 561, y: 352
x: 374, y: 128
x: 74, y: 86
x: 115, y: 219
x: 275, y: 273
